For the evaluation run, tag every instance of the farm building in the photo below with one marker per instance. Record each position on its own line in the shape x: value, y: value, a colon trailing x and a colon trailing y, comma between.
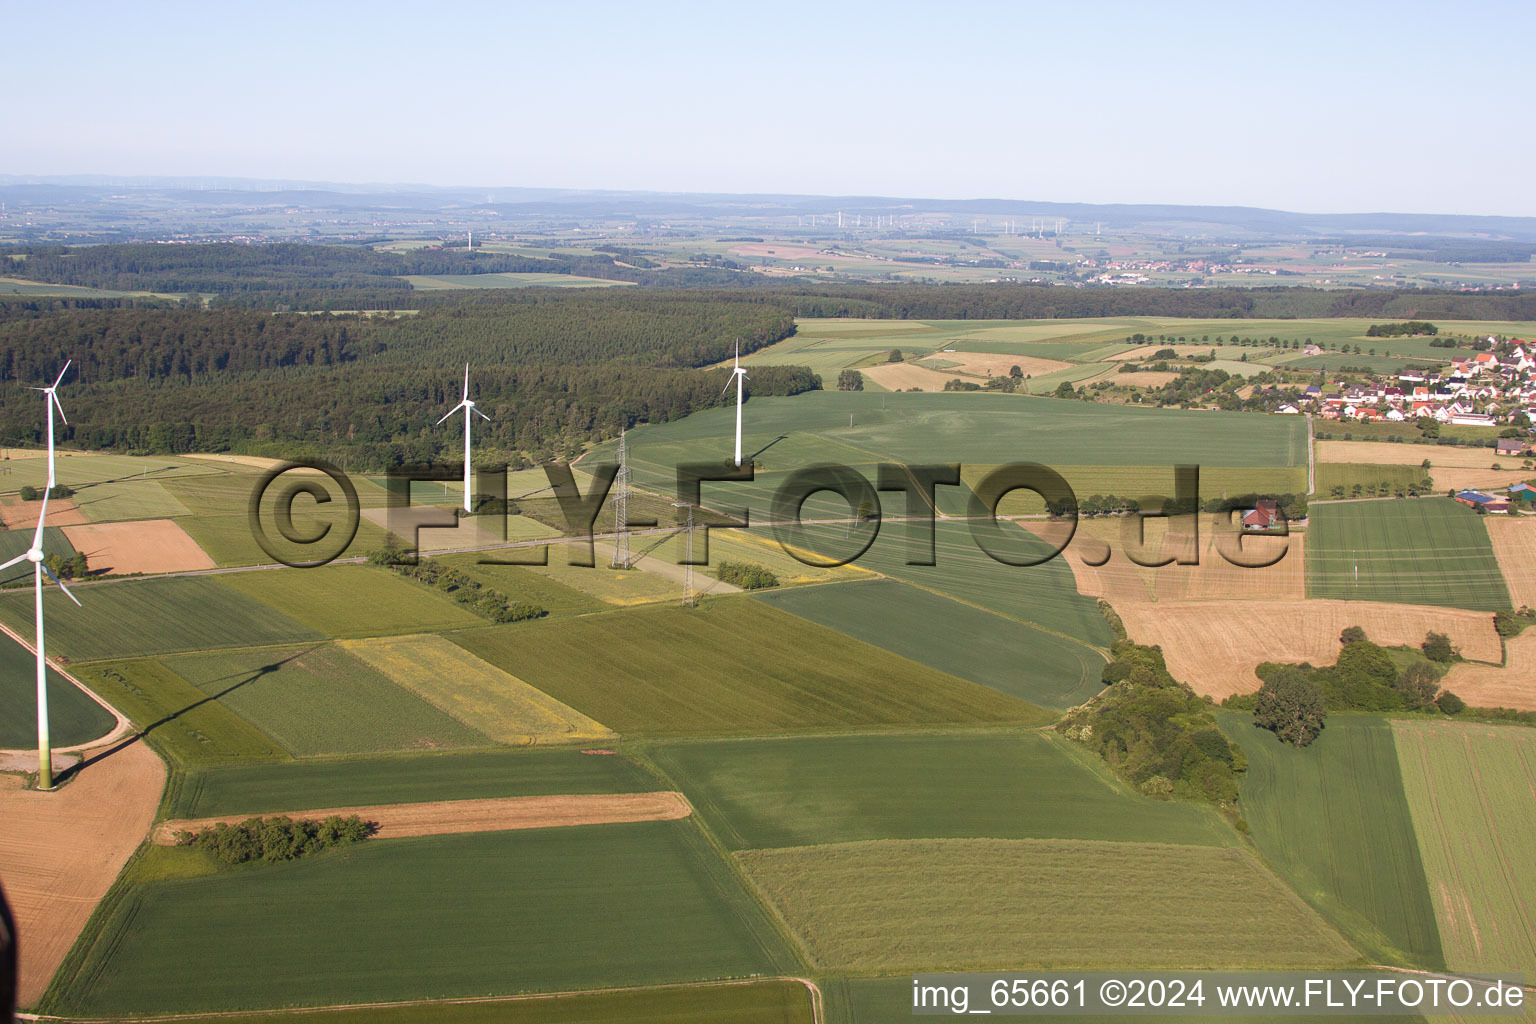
x: 1263, y: 517
x: 1510, y: 446
x: 1482, y: 502
x: 1523, y: 492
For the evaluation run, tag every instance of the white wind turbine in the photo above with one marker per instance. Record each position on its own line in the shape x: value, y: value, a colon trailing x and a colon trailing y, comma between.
x: 469, y: 413
x: 738, y: 375
x: 34, y: 554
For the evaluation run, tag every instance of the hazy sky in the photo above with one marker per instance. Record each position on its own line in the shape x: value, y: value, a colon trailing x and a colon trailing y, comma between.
x: 1330, y: 107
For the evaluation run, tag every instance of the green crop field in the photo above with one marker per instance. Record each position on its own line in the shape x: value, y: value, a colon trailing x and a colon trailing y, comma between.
x: 1333, y: 821
x: 974, y: 904
x: 1349, y: 475
x: 228, y: 541
x: 82, y: 472
x: 779, y: 1001
x: 1044, y: 595
x: 153, y: 617
x: 526, y: 583
x: 1134, y: 482
x: 398, y: 779
x: 73, y: 717
x: 319, y: 699
x: 1472, y: 790
x: 533, y: 280
x: 733, y: 665
x: 1416, y: 551
x: 1007, y: 655
x: 353, y: 600
x: 176, y: 717
x: 14, y: 542
x: 468, y: 915
x: 128, y: 499
x: 798, y: 791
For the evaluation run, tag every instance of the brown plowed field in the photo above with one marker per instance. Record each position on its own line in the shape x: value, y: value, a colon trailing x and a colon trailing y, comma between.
x: 1214, y: 646
x: 905, y: 376
x: 60, y: 851
x: 446, y: 817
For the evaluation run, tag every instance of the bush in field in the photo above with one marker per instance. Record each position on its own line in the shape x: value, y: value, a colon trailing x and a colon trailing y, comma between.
x: 1418, y: 684
x: 746, y: 575
x: 1437, y: 647
x: 1291, y: 706
x: 850, y: 380
x: 1450, y: 703
x: 1509, y: 624
x: 28, y: 492
x: 277, y: 839
x: 1155, y: 731
x: 462, y: 587
x: 1352, y: 635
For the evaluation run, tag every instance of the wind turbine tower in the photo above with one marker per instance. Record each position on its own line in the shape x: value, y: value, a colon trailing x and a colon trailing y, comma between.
x: 738, y: 375
x: 469, y: 413
x: 34, y: 554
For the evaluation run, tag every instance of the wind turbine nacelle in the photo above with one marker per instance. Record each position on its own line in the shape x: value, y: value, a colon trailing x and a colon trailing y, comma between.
x: 35, y: 554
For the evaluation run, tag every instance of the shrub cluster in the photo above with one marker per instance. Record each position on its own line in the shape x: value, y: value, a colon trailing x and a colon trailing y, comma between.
x: 746, y: 575
x: 1365, y: 677
x: 1509, y: 624
x: 1155, y: 731
x: 462, y: 587
x: 277, y: 839
x: 29, y: 493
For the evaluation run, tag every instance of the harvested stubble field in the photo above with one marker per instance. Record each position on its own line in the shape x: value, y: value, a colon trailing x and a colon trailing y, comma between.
x: 974, y: 904
x: 1386, y: 453
x: 59, y: 852
x: 993, y: 364
x: 1179, y: 351
x: 398, y: 779
x: 1333, y: 820
x: 905, y: 377
x: 1214, y: 646
x: 319, y: 699
x: 1490, y: 686
x: 147, y: 546
x: 1472, y: 791
x: 1145, y: 379
x: 503, y: 814
x: 476, y: 692
x: 1514, y: 545
x: 1121, y: 580
x: 492, y: 913
x: 671, y: 670
x: 810, y: 790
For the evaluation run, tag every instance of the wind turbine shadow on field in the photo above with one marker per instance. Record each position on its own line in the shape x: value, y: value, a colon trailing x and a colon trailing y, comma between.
x: 245, y: 680
x: 770, y: 444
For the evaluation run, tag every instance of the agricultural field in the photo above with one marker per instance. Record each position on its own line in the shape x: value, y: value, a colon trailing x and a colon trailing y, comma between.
x: 136, y: 618
x: 1059, y: 904
x: 904, y: 377
x: 85, y: 472
x: 1510, y: 685
x: 1472, y: 792
x: 113, y: 501
x: 73, y: 717
x: 808, y: 791
x: 527, y: 583
x: 490, y: 913
x: 1215, y: 645
x: 482, y: 696
x: 1514, y: 544
x: 398, y: 779
x: 14, y: 542
x: 20, y: 515
x: 777, y: 1001
x: 319, y: 699
x: 344, y: 601
x: 1352, y: 479
x: 1332, y: 819
x: 439, y: 282
x: 960, y: 639
x: 144, y: 546
x: 672, y: 670
x: 1430, y: 551
x: 176, y: 717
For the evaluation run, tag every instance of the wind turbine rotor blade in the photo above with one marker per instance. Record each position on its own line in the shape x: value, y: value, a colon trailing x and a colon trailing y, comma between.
x: 450, y: 412
x: 466, y: 382
x: 18, y: 559
x: 42, y: 515
x: 728, y: 382
x: 60, y: 582
x: 479, y: 413
x: 62, y: 372
x: 55, y: 400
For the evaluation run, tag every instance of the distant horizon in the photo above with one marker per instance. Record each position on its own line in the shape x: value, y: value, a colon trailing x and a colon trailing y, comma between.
x: 249, y: 183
